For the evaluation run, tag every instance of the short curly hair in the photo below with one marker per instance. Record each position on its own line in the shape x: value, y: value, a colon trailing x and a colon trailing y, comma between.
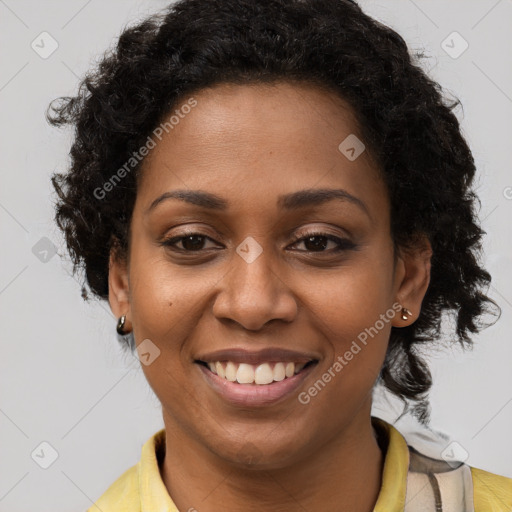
x: 407, y: 124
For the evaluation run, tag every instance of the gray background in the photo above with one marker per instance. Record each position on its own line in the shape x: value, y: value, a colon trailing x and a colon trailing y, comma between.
x: 63, y: 378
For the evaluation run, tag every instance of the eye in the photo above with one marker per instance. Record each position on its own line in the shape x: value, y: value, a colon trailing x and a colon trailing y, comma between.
x: 191, y: 242
x: 317, y: 242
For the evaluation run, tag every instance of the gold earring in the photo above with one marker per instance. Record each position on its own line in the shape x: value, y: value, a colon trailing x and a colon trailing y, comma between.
x: 406, y: 313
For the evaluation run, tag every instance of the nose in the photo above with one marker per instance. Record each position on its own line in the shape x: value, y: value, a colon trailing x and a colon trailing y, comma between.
x: 253, y: 293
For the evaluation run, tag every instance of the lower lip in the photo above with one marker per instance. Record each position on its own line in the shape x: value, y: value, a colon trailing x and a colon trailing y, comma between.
x: 255, y: 395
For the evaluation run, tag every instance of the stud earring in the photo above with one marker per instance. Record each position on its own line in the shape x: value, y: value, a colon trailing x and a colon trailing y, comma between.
x: 120, y: 325
x: 406, y: 313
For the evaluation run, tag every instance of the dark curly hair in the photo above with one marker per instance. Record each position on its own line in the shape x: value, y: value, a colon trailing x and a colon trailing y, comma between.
x: 408, y: 126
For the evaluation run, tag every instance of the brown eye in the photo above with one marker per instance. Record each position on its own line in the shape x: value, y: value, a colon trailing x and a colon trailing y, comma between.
x: 191, y: 242
x: 318, y: 242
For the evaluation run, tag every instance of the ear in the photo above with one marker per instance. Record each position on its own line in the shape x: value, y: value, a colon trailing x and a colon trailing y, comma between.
x: 412, y: 277
x: 119, y: 287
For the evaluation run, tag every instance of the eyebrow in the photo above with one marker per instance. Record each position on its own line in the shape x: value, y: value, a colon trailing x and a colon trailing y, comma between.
x: 292, y: 201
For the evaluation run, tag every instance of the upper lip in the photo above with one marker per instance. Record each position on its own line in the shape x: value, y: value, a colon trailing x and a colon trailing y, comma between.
x: 266, y: 355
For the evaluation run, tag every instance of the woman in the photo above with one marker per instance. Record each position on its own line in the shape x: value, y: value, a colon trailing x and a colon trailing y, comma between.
x: 276, y: 202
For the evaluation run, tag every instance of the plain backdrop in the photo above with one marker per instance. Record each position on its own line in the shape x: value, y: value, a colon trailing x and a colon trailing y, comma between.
x: 64, y: 381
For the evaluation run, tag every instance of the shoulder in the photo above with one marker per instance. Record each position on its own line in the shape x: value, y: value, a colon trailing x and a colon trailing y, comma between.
x: 455, y: 485
x: 491, y: 492
x: 139, y: 487
x: 123, y: 494
x: 445, y: 483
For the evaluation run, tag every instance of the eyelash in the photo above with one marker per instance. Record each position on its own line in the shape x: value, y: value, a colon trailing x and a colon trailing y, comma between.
x: 343, y: 243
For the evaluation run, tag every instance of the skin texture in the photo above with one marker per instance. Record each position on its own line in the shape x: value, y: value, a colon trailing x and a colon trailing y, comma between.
x: 250, y: 144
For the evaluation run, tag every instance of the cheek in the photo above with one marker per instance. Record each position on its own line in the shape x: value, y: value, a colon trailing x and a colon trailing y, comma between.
x: 166, y: 300
x: 353, y: 297
x: 352, y: 309
x: 166, y: 305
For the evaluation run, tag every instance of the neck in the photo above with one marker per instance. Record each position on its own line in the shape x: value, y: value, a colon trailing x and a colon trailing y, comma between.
x: 343, y: 475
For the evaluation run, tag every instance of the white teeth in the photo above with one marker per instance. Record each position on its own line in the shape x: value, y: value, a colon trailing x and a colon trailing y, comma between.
x: 245, y: 373
x: 279, y: 372
x: 220, y: 369
x: 264, y: 373
x: 231, y: 371
x: 298, y: 367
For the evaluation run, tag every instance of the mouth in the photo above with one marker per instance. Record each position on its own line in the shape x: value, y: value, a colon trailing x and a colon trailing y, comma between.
x: 255, y: 379
x: 256, y: 374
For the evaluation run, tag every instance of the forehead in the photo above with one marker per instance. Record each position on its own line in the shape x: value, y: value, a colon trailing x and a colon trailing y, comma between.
x: 253, y: 143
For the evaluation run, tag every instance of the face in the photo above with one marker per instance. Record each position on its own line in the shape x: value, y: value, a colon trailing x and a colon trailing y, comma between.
x: 274, y: 272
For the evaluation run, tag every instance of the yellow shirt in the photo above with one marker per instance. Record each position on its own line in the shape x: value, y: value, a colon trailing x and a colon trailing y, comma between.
x: 411, y: 482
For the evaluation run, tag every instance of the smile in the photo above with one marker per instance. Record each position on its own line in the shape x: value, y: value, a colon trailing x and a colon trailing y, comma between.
x: 253, y: 385
x: 257, y: 374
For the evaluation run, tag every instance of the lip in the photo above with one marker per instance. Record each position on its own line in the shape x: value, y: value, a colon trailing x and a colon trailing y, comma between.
x: 254, y: 395
x: 266, y: 355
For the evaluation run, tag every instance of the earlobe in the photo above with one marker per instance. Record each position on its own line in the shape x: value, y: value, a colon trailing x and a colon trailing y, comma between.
x: 414, y: 281
x: 118, y: 286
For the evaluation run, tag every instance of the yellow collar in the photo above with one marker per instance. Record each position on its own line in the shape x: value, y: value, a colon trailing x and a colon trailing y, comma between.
x: 152, y: 491
x: 396, y: 466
